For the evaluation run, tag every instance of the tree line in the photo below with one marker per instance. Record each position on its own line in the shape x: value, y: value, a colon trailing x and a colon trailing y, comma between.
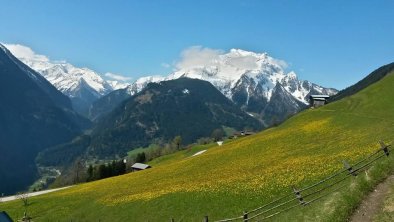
x: 98, y: 172
x: 80, y: 172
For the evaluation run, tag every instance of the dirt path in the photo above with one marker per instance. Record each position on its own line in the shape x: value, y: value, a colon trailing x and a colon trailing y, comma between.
x: 372, y: 204
x: 9, y: 198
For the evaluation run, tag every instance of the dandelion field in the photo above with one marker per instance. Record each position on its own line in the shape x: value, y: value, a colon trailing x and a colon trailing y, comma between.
x: 242, y: 174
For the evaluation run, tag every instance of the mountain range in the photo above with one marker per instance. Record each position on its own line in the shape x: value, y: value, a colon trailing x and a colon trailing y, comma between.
x: 255, y: 82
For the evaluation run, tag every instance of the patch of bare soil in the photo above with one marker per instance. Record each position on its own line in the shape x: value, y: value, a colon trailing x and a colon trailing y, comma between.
x: 372, y: 204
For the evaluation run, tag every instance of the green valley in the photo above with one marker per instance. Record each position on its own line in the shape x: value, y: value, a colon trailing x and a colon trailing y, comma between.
x: 242, y: 174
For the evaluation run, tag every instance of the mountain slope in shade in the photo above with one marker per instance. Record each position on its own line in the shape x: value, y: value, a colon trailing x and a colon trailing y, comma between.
x: 107, y: 103
x: 33, y: 116
x: 187, y: 107
x: 281, y: 104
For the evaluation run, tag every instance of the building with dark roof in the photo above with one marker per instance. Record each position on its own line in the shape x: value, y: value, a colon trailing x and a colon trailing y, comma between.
x: 318, y: 100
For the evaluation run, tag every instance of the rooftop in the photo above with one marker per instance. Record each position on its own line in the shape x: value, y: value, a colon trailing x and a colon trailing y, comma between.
x: 320, y: 96
x: 140, y: 166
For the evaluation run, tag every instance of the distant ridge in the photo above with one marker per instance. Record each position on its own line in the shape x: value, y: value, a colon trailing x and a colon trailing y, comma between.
x: 372, y: 78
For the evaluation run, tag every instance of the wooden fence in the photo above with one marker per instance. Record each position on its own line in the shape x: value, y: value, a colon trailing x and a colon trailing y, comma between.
x: 301, y: 197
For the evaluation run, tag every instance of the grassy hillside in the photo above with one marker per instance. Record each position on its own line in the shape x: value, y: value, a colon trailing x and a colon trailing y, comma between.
x: 239, y: 175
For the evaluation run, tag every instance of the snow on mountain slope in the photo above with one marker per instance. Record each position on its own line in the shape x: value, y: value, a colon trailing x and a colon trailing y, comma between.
x: 62, y: 75
x: 240, y: 71
x: 115, y: 84
x: 142, y: 82
x: 82, y: 85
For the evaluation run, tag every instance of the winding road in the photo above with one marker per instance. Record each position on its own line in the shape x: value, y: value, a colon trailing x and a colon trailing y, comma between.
x: 32, y: 194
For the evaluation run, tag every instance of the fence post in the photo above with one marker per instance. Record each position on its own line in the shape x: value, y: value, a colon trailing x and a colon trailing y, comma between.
x: 206, y: 219
x: 172, y: 220
x: 298, y: 195
x: 349, y: 168
x: 246, y: 216
x: 385, y: 148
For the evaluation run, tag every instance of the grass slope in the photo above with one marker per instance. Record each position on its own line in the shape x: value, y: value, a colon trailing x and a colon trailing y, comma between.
x: 239, y: 175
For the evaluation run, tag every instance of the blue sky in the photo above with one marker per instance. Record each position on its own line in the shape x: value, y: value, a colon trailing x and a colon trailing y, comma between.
x: 333, y: 43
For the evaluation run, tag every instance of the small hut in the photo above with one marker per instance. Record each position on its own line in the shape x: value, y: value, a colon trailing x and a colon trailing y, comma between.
x: 140, y: 166
x: 248, y: 133
x: 242, y: 133
x: 318, y: 100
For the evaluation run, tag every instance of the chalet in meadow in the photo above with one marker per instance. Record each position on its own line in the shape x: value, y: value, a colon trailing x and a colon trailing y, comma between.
x: 318, y: 100
x: 140, y: 166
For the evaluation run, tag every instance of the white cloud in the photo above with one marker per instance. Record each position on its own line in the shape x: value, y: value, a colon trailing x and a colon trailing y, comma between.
x: 281, y: 63
x: 165, y: 65
x: 197, y: 56
x: 21, y: 51
x: 118, y: 77
x: 247, y: 62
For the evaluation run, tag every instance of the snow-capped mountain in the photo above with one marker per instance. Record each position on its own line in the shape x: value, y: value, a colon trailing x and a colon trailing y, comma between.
x: 243, y: 71
x: 251, y: 80
x: 118, y: 84
x: 82, y: 85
